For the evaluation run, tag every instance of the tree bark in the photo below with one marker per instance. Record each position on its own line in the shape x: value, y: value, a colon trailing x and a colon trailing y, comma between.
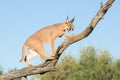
x: 50, y: 65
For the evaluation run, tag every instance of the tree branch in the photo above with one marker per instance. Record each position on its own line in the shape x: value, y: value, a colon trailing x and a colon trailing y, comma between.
x: 50, y: 65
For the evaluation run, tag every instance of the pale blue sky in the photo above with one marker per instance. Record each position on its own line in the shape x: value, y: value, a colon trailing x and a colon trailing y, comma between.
x: 21, y: 18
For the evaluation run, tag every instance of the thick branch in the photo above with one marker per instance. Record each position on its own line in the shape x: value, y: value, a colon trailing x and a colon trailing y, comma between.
x: 50, y: 65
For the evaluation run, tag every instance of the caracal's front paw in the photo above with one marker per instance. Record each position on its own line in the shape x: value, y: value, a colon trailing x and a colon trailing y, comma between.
x: 53, y: 55
x: 54, y: 52
x: 72, y: 35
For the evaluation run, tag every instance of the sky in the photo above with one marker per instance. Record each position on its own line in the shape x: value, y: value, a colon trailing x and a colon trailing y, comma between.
x: 21, y: 18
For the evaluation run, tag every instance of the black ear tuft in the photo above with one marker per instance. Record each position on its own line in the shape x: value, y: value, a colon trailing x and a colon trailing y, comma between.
x: 67, y: 20
x: 72, y: 20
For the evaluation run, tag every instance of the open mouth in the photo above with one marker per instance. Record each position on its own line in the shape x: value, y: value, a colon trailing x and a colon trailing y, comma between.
x: 69, y: 29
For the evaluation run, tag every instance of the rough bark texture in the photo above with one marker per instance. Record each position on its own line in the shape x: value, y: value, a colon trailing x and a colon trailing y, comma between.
x: 50, y: 65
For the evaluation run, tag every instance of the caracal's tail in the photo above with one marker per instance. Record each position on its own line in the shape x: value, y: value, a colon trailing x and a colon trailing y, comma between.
x: 23, y: 54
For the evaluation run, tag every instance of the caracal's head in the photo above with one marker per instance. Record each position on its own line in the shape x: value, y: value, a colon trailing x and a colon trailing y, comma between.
x: 69, y: 24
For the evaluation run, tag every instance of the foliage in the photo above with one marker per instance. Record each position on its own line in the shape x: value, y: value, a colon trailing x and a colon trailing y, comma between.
x: 92, y: 65
x: 1, y: 70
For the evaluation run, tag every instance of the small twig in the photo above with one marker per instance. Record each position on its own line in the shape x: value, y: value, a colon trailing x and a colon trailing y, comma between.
x: 101, y: 4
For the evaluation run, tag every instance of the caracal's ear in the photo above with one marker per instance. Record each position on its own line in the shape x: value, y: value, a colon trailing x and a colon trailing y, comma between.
x: 67, y: 20
x: 72, y: 20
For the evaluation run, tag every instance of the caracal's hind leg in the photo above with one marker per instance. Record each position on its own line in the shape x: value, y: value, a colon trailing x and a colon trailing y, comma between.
x: 40, y: 50
x: 30, y: 55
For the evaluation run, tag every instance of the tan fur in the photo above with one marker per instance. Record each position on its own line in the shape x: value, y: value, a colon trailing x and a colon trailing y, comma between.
x: 34, y: 44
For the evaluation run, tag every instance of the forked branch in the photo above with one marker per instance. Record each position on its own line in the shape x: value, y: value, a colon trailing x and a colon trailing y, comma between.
x: 50, y: 65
